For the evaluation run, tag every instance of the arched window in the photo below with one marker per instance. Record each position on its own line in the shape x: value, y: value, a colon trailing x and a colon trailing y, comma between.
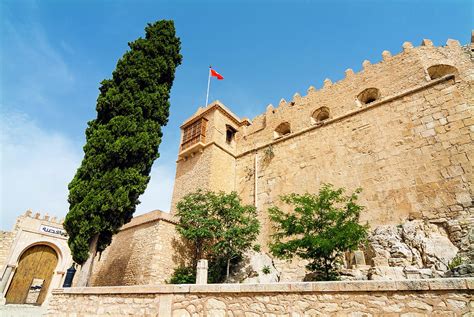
x: 282, y: 130
x: 368, y: 95
x: 441, y: 70
x: 320, y: 115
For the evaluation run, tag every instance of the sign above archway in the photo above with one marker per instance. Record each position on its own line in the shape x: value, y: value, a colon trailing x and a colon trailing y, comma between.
x: 53, y: 230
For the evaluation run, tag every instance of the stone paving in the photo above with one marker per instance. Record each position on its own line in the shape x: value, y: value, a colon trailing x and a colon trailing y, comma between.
x: 21, y: 311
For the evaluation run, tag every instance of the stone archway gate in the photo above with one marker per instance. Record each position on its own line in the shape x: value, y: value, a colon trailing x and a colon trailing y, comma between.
x: 36, y: 260
x: 33, y: 276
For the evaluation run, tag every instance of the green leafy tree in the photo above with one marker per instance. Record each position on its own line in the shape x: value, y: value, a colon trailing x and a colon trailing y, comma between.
x: 218, y: 227
x: 198, y: 223
x: 239, y: 229
x: 320, y: 229
x: 122, y: 143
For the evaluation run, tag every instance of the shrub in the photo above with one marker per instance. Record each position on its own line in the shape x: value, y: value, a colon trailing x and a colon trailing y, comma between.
x: 266, y: 270
x: 320, y: 229
x: 218, y: 227
x: 183, y: 275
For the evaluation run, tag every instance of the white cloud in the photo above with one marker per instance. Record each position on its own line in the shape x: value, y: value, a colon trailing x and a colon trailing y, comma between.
x: 37, y: 165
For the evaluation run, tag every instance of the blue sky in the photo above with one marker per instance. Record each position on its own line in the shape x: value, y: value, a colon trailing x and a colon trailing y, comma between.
x: 55, y: 53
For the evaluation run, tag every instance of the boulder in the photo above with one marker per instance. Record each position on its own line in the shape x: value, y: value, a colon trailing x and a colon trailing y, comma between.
x: 257, y: 267
x: 439, y: 251
x: 386, y: 273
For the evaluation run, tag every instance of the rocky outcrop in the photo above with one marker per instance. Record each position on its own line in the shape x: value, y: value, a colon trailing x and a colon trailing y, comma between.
x: 415, y: 249
x: 256, y: 268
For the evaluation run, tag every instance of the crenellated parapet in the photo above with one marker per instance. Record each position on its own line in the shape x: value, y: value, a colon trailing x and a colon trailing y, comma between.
x: 44, y: 218
x: 414, y: 66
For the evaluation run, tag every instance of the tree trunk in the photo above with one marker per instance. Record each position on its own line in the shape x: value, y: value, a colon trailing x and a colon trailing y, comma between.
x: 86, y: 268
x: 326, y: 269
x: 228, y: 270
x: 197, y: 253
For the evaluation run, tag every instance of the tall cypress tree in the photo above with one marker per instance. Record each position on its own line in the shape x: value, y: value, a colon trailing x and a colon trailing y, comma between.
x: 121, y: 143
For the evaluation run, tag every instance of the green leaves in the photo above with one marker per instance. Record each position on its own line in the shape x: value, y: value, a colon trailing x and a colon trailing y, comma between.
x: 122, y: 142
x: 217, y: 226
x: 319, y: 229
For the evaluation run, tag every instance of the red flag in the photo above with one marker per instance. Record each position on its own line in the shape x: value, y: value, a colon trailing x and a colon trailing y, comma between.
x: 216, y: 74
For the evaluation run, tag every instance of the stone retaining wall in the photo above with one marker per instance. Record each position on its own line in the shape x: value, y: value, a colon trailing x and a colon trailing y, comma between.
x: 435, y: 297
x: 142, y: 252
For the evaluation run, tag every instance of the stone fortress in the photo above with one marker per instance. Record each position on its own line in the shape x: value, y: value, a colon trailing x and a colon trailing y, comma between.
x: 401, y: 129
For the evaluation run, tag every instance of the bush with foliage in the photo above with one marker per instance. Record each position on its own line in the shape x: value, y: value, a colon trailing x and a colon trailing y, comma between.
x: 320, y: 229
x: 183, y: 275
x: 257, y: 248
x: 266, y: 270
x: 456, y: 261
x: 217, y: 227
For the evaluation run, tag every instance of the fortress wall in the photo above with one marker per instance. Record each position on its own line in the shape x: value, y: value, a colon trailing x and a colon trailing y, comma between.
x: 220, y: 123
x: 191, y: 175
x: 141, y: 253
x: 6, y: 241
x: 166, y: 255
x: 413, y: 157
x: 222, y: 171
x: 436, y: 297
x: 451, y: 54
x: 410, y: 150
x: 391, y: 76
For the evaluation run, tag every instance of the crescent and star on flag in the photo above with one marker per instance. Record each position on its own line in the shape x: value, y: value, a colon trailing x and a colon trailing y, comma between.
x: 212, y: 73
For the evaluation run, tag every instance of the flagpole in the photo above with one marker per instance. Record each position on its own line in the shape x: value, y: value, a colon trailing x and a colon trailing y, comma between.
x: 208, y: 84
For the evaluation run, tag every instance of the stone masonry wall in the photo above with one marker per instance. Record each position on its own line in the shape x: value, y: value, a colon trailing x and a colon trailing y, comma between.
x: 406, y: 155
x: 191, y: 175
x: 222, y: 161
x: 445, y: 297
x: 391, y: 76
x: 6, y: 240
x: 141, y: 253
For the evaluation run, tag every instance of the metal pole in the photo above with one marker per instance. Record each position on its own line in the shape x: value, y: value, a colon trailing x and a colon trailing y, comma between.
x: 208, y: 85
x: 256, y: 180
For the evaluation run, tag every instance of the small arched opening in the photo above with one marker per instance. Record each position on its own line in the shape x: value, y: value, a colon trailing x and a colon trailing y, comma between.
x: 230, y: 134
x: 368, y: 95
x: 282, y: 130
x: 319, y: 115
x: 441, y: 70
